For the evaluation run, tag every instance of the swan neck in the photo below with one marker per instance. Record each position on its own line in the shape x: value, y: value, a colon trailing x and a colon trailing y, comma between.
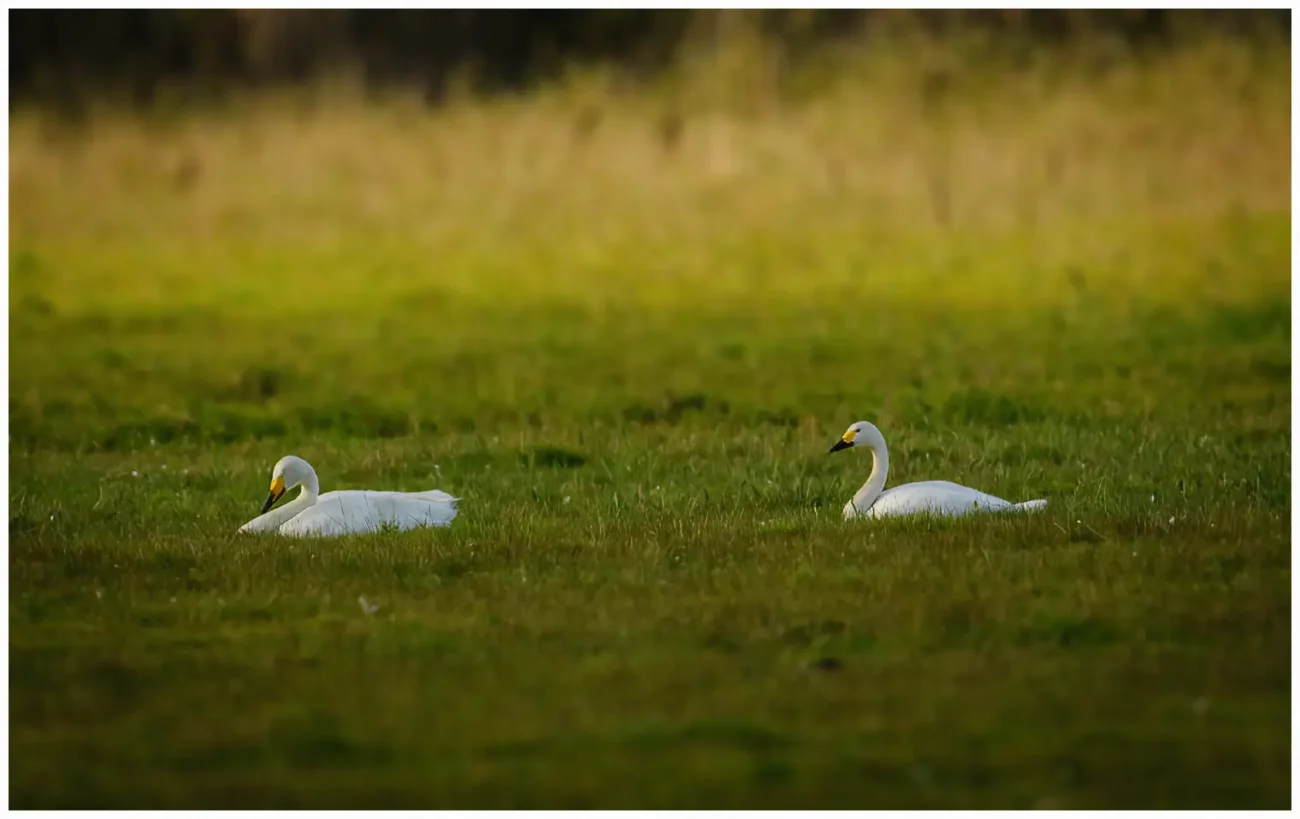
x: 879, y: 471
x: 310, y: 488
x: 280, y: 515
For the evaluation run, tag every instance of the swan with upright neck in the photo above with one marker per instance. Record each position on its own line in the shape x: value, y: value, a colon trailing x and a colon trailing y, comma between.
x: 921, y: 498
x: 352, y: 511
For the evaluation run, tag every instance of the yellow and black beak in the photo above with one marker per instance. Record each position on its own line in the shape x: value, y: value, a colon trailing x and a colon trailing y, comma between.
x: 846, y: 441
x: 277, y: 492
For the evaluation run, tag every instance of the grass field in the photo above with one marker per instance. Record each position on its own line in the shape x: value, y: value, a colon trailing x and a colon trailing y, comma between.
x: 625, y: 329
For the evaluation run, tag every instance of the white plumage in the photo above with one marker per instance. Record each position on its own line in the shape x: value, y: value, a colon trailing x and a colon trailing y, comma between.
x: 923, y: 497
x: 344, y: 512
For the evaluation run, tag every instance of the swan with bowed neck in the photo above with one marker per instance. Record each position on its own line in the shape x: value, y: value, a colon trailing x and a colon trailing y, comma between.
x: 921, y: 498
x: 351, y: 511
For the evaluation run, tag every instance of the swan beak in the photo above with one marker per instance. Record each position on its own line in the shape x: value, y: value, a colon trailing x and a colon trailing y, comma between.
x: 277, y: 491
x: 846, y: 440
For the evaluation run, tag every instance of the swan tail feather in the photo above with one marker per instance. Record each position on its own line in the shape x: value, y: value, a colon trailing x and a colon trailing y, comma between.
x: 436, y: 495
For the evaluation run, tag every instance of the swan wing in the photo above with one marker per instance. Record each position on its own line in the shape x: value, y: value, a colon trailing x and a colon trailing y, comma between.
x: 434, y: 495
x: 934, y: 497
x: 359, y: 511
x: 381, y: 496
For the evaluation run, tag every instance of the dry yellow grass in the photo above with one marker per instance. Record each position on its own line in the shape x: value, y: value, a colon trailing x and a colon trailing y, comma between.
x: 1195, y: 134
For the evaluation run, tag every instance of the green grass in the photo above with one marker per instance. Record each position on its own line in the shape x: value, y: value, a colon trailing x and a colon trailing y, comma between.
x: 629, y: 355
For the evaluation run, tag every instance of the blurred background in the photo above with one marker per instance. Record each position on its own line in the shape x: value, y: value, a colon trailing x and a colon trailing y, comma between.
x: 66, y: 57
x: 179, y: 179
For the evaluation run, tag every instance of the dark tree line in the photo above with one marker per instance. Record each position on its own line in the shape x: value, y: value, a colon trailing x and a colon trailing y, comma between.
x: 66, y: 56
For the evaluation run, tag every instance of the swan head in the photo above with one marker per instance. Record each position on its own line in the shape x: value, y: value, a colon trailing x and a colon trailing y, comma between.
x: 288, y: 472
x: 850, y: 438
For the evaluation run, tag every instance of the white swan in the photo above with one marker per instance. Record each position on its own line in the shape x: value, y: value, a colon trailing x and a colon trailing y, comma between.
x: 924, y: 497
x: 342, y: 513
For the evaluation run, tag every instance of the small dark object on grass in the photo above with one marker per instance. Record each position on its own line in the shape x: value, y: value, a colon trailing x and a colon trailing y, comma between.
x: 826, y: 664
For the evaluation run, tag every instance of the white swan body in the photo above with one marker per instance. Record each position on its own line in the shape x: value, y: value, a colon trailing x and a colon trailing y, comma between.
x: 937, y: 498
x: 346, y: 512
